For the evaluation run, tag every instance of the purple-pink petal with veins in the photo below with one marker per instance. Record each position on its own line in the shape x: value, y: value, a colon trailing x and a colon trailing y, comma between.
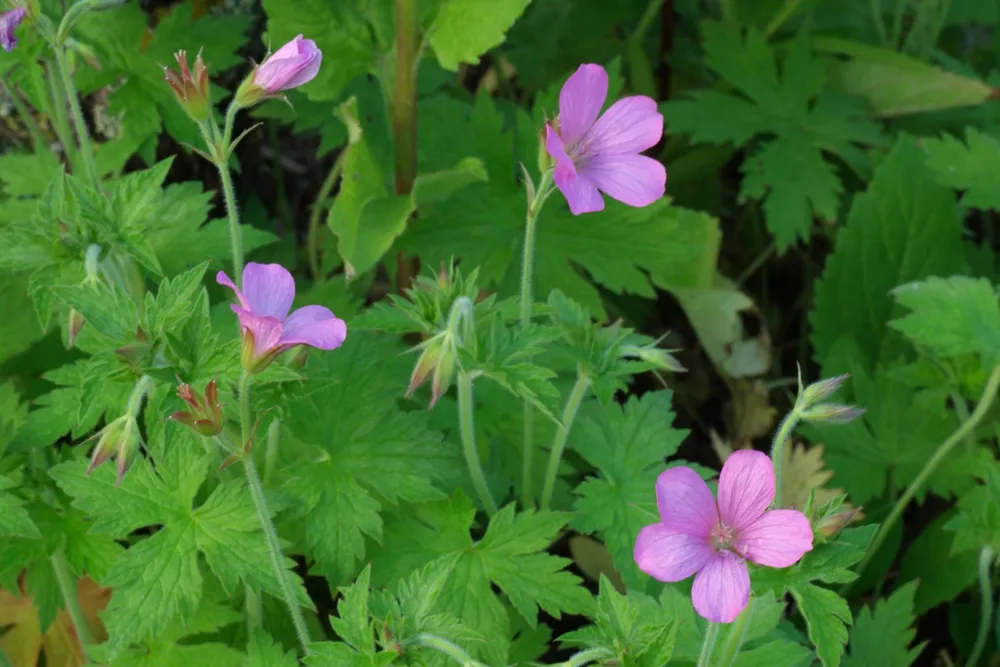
x: 779, y: 538
x: 8, y: 23
x: 685, y: 502
x: 746, y: 488
x: 269, y: 289
x: 315, y: 326
x: 635, y: 180
x: 293, y: 65
x: 226, y: 281
x: 721, y: 589
x: 580, y: 101
x: 580, y: 192
x: 631, y: 125
x: 667, y: 555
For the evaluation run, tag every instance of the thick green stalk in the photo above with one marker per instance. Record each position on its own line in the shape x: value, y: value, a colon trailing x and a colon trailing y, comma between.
x: 67, y: 586
x: 734, y: 638
x: 316, y: 217
x: 467, y: 426
x: 708, y: 645
x: 939, y: 456
x: 445, y: 647
x: 264, y: 514
x: 781, y: 436
x: 38, y: 140
x: 527, y: 267
x: 586, y: 657
x: 271, y: 452
x: 235, y: 231
x: 986, y: 557
x: 60, y: 119
x: 573, y: 402
x: 82, y: 133
x: 404, y: 95
x: 781, y: 16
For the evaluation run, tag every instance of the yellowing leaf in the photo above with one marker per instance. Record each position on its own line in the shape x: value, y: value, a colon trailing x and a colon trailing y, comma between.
x: 805, y: 470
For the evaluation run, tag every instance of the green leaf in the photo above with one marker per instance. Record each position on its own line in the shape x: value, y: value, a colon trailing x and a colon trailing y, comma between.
x: 977, y: 522
x: 952, y: 316
x: 352, y: 623
x: 882, y: 634
x: 365, y: 217
x: 340, y: 32
x: 943, y: 571
x: 778, y: 653
x: 627, y: 445
x: 20, y: 328
x: 104, y: 306
x: 176, y: 299
x: 262, y: 651
x: 463, y: 30
x: 967, y: 166
x: 439, y: 185
x: 827, y: 616
x: 14, y: 519
x: 904, y: 228
x: 338, y: 654
x: 792, y: 172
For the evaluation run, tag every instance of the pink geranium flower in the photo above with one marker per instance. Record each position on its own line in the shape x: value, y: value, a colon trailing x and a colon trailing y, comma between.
x: 268, y: 329
x: 595, y: 155
x: 696, y: 534
x: 8, y: 23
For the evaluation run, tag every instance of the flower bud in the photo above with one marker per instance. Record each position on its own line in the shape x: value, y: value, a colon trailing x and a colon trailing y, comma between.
x: 442, y: 377
x: 545, y: 160
x: 121, y: 439
x: 73, y: 327
x: 294, y: 64
x: 819, y: 391
x: 191, y: 89
x: 654, y: 356
x: 832, y: 413
x: 426, y: 363
x: 205, y: 414
x: 830, y: 525
x: 251, y: 361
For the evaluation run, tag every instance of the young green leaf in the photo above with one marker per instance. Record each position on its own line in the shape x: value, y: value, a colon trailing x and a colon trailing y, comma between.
x: 463, y: 30
x: 883, y: 634
x: 14, y: 519
x: 262, y: 651
x: 967, y: 166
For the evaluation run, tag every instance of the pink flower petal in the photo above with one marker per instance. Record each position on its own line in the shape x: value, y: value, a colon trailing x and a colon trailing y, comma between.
x: 722, y: 588
x: 580, y: 192
x: 266, y: 330
x: 685, y: 502
x: 226, y: 281
x: 580, y: 100
x: 557, y: 149
x: 746, y: 488
x: 635, y: 180
x: 269, y: 289
x: 9, y: 22
x: 315, y: 326
x: 294, y: 64
x: 629, y: 126
x: 777, y: 539
x: 668, y: 555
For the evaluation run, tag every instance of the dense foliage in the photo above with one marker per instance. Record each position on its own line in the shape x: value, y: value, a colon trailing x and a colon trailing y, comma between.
x: 439, y: 434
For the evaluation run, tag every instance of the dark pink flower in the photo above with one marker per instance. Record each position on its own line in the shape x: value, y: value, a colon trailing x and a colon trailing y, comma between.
x: 268, y: 329
x: 696, y: 534
x: 294, y: 64
x: 8, y: 23
x: 595, y: 155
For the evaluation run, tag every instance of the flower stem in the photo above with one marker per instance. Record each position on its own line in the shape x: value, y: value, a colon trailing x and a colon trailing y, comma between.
x: 573, y: 402
x: 38, y: 140
x: 271, y: 453
x: 450, y: 649
x: 986, y: 557
x: 82, y: 134
x: 67, y: 586
x: 467, y: 426
x: 404, y: 96
x: 708, y: 645
x: 734, y: 638
x: 527, y: 266
x: 942, y: 452
x: 316, y: 216
x: 586, y: 657
x: 60, y: 121
x: 264, y: 514
x: 782, y: 436
x: 235, y: 231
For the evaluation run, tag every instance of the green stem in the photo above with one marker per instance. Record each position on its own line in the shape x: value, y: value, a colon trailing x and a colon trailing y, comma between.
x: 986, y: 604
x: 897, y: 24
x: 445, y: 647
x: 271, y: 453
x: 82, y: 133
x: 573, y: 402
x: 467, y: 426
x: 404, y: 96
x: 708, y: 645
x: 235, y: 231
x: 734, y: 638
x: 527, y: 266
x: 142, y: 386
x: 942, y: 452
x: 60, y: 119
x: 37, y: 138
x: 316, y: 215
x: 67, y: 586
x: 781, y: 16
x: 264, y: 514
x: 586, y: 657
x: 781, y: 436
x: 876, y: 7
x: 644, y: 21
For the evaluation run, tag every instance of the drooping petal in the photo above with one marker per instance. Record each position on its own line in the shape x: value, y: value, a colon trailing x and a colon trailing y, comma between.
x: 668, y: 555
x: 629, y: 126
x: 746, y: 488
x: 269, y: 289
x: 777, y: 539
x: 9, y: 22
x: 580, y: 100
x: 294, y: 64
x: 557, y: 149
x: 635, y: 180
x: 266, y: 330
x: 226, y: 281
x: 722, y: 588
x: 580, y: 192
x: 315, y: 326
x: 685, y: 502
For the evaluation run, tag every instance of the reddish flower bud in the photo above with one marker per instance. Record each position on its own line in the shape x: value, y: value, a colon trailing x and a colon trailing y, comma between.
x: 191, y: 88
x: 205, y: 413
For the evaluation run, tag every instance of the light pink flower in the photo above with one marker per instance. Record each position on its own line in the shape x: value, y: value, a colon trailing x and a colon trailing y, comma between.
x: 268, y: 329
x: 8, y: 23
x: 696, y: 534
x: 595, y: 155
x: 294, y: 64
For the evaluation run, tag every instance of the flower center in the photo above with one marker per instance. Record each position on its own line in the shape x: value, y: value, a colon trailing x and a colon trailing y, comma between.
x: 722, y: 537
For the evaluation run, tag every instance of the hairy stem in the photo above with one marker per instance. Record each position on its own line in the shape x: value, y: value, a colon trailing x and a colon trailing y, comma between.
x: 586, y: 657
x: 67, y: 586
x: 271, y: 452
x: 37, y: 138
x: 60, y: 119
x: 235, y: 231
x: 403, y: 111
x: 781, y: 16
x: 82, y: 133
x: 708, y: 645
x: 734, y: 637
x: 316, y: 217
x: 527, y: 266
x: 573, y: 402
x: 986, y: 557
x: 942, y: 452
x: 264, y: 514
x: 445, y: 647
x: 781, y: 436
x: 467, y: 426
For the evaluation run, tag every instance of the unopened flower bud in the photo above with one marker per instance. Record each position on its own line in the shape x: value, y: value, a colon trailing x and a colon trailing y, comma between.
x: 120, y: 439
x: 819, y: 391
x: 205, y: 413
x: 294, y: 64
x: 74, y: 325
x: 191, y: 88
x: 545, y: 160
x: 428, y: 360
x: 443, y: 373
x: 833, y: 524
x: 654, y: 356
x: 832, y: 413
